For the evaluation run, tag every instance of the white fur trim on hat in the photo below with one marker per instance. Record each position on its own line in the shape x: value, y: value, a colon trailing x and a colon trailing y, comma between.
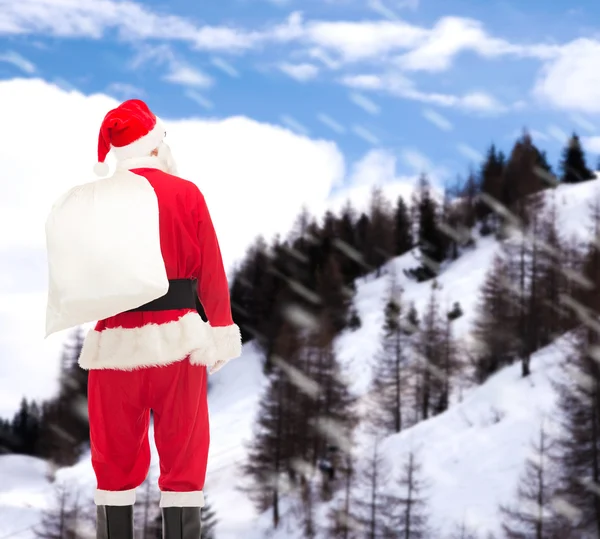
x: 101, y: 169
x: 142, y: 146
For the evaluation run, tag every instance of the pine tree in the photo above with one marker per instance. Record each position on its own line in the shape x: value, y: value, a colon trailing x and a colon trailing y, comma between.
x: 531, y: 515
x: 379, y: 247
x: 492, y: 188
x: 579, y: 403
x: 280, y: 420
x: 573, y: 166
x: 25, y: 428
x: 403, y: 240
x: 389, y: 377
x: 334, y: 297
x: 493, y: 328
x: 333, y: 418
x: 64, y: 427
x: 521, y: 182
x: 408, y: 505
x: 431, y: 240
x: 209, y: 521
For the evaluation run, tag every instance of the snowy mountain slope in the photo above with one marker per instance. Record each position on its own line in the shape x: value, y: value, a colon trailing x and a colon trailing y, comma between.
x: 474, y: 453
x: 472, y: 460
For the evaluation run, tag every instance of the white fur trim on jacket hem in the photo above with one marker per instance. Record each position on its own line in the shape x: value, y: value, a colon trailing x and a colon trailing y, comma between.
x: 114, y: 497
x: 142, y: 146
x: 182, y: 499
x: 160, y: 344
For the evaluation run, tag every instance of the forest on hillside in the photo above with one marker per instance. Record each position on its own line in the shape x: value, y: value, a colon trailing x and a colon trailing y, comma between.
x: 293, y: 296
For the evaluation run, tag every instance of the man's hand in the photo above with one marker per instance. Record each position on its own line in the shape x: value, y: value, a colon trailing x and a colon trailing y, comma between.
x: 218, y: 365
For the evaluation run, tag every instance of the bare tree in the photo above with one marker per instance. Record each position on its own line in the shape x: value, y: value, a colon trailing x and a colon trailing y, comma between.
x: 531, y: 515
x: 407, y: 506
x: 64, y: 518
x: 390, y: 372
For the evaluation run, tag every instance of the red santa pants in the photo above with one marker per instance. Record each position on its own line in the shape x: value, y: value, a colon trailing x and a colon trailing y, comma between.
x: 119, y: 404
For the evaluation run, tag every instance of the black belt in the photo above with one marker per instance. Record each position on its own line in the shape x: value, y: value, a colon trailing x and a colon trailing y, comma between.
x: 181, y: 295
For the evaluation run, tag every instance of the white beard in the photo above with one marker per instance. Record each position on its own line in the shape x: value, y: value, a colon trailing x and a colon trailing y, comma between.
x: 166, y: 157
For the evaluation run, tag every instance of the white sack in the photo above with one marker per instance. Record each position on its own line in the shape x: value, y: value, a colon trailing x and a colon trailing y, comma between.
x: 104, y: 252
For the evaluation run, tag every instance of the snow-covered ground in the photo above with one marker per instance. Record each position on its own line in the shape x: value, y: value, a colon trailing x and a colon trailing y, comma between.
x: 472, y: 454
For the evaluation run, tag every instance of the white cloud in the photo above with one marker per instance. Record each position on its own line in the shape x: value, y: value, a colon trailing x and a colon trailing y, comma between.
x: 592, y: 144
x: 134, y: 21
x: 177, y: 70
x: 584, y: 123
x: 198, y: 98
x: 558, y: 134
x: 365, y: 134
x: 18, y: 61
x: 469, y: 152
x: 187, y: 75
x: 226, y: 67
x: 437, y: 119
x: 331, y: 123
x: 301, y: 72
x: 294, y: 124
x: 400, y: 86
x: 571, y: 81
x: 453, y: 35
x: 378, y: 168
x: 124, y: 90
x: 241, y: 165
x: 364, y: 103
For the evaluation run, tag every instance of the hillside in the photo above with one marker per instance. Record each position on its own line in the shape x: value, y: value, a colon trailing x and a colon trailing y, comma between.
x: 472, y: 454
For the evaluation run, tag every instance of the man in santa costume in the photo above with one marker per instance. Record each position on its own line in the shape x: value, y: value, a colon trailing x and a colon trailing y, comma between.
x: 156, y: 356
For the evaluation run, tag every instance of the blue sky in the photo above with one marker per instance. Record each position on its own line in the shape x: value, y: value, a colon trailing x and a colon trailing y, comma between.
x: 444, y: 78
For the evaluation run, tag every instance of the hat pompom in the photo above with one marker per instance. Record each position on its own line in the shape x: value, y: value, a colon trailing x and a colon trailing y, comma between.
x: 101, y: 169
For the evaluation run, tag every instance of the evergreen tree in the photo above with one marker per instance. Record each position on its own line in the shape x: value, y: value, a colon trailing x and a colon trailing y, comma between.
x: 573, y: 166
x: 521, y: 181
x: 64, y: 427
x: 403, y: 240
x: 25, y: 428
x: 431, y: 240
x: 280, y: 420
x: 492, y: 188
x: 389, y: 377
x: 579, y: 398
x: 209, y: 521
x: 379, y: 246
x: 334, y: 296
x: 493, y: 328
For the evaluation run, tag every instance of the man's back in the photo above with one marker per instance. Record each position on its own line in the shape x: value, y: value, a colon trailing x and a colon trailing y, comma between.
x: 191, y: 252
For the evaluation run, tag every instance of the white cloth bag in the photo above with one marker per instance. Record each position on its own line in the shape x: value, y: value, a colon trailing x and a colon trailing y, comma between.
x: 104, y: 253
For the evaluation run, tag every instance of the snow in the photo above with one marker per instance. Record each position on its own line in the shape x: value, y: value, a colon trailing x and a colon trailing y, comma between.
x: 472, y: 454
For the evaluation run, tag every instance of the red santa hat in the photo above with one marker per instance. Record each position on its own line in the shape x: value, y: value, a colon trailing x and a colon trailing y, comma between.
x: 131, y: 130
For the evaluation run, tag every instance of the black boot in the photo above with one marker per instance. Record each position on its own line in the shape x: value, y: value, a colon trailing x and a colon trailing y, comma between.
x: 181, y: 523
x: 114, y: 522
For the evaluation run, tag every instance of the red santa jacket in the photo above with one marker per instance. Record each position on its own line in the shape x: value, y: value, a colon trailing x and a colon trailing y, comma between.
x: 190, y: 250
